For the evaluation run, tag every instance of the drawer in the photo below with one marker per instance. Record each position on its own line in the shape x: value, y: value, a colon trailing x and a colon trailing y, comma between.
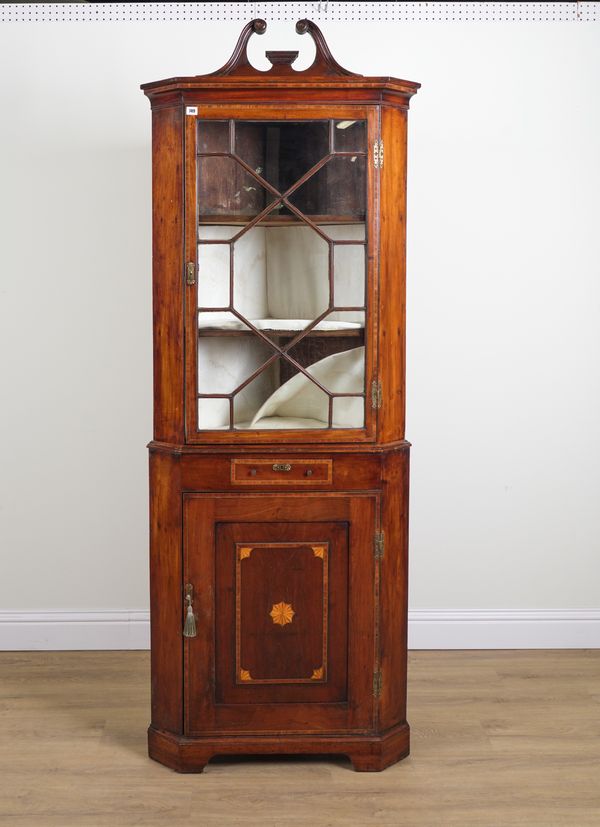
x: 233, y: 472
x: 281, y: 471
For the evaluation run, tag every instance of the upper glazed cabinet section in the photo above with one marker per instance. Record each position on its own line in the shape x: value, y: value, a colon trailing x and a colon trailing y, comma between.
x: 281, y: 253
x: 283, y: 238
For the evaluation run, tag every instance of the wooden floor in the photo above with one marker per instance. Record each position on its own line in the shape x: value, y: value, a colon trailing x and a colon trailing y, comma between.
x: 498, y: 738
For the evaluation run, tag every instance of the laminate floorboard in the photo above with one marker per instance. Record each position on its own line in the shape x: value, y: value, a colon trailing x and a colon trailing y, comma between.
x: 499, y: 738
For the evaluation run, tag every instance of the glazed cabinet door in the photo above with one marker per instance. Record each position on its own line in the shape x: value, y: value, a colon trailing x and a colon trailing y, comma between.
x: 283, y: 594
x: 281, y: 241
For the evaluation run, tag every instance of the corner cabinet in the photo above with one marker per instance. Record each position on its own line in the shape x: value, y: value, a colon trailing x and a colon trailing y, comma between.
x: 278, y: 468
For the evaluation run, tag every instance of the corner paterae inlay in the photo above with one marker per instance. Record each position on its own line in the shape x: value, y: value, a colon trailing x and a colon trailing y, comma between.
x: 282, y: 613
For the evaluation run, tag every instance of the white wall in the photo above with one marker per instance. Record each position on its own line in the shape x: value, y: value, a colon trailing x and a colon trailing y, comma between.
x: 503, y: 308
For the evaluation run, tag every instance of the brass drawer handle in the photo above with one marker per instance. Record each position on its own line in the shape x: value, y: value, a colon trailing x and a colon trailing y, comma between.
x: 281, y: 471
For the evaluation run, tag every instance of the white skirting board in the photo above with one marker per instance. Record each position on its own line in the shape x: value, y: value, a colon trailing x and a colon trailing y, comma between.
x: 130, y: 629
x: 110, y: 629
x: 533, y: 629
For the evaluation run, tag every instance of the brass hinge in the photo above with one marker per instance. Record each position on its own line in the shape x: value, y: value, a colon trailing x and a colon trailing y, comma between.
x: 377, y: 683
x: 378, y: 545
x: 190, y: 269
x: 376, y: 394
x: 378, y: 154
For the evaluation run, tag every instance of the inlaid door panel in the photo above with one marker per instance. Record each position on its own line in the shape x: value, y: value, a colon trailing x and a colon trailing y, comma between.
x: 285, y: 604
x: 286, y: 587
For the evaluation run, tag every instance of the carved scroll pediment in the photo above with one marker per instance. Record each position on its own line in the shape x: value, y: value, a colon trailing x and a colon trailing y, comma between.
x: 324, y: 63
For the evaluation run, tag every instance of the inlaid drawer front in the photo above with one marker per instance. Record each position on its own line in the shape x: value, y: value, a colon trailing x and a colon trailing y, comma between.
x: 281, y: 471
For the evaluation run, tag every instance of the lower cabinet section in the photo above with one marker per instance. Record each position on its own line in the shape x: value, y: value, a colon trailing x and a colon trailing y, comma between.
x: 299, y: 600
x: 285, y: 605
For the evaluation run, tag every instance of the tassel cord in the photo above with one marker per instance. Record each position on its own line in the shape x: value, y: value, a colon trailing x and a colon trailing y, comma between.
x: 189, y: 628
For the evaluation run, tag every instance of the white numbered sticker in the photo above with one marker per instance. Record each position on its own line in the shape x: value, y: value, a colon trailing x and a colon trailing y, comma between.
x: 191, y: 110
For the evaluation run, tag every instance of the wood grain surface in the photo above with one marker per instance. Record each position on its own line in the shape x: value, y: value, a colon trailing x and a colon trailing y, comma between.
x: 498, y: 739
x: 286, y: 570
x: 167, y: 283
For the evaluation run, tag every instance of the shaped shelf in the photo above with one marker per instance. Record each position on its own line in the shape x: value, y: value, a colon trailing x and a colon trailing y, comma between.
x: 276, y: 220
x: 276, y: 327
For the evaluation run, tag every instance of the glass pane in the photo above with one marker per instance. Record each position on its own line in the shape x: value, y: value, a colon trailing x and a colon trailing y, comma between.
x: 348, y: 412
x: 227, y: 190
x: 351, y: 322
x: 349, y: 266
x: 213, y: 275
x: 211, y: 323
x: 213, y: 136
x: 337, y: 332
x: 211, y: 230
x: 280, y: 277
x: 352, y: 230
x: 282, y: 151
x: 226, y: 361
x: 297, y: 275
x: 350, y: 136
x: 341, y: 372
x: 250, y: 274
x: 213, y: 414
x: 294, y: 403
x: 250, y: 399
x: 337, y: 189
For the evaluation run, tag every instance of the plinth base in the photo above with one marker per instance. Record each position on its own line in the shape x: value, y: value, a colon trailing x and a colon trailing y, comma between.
x: 368, y: 753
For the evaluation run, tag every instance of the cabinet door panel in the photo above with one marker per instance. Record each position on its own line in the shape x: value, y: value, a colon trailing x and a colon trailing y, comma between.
x: 281, y: 244
x: 285, y: 612
x: 286, y: 585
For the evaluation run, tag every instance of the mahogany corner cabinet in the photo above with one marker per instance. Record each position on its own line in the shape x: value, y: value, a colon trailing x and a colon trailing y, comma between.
x: 278, y: 467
